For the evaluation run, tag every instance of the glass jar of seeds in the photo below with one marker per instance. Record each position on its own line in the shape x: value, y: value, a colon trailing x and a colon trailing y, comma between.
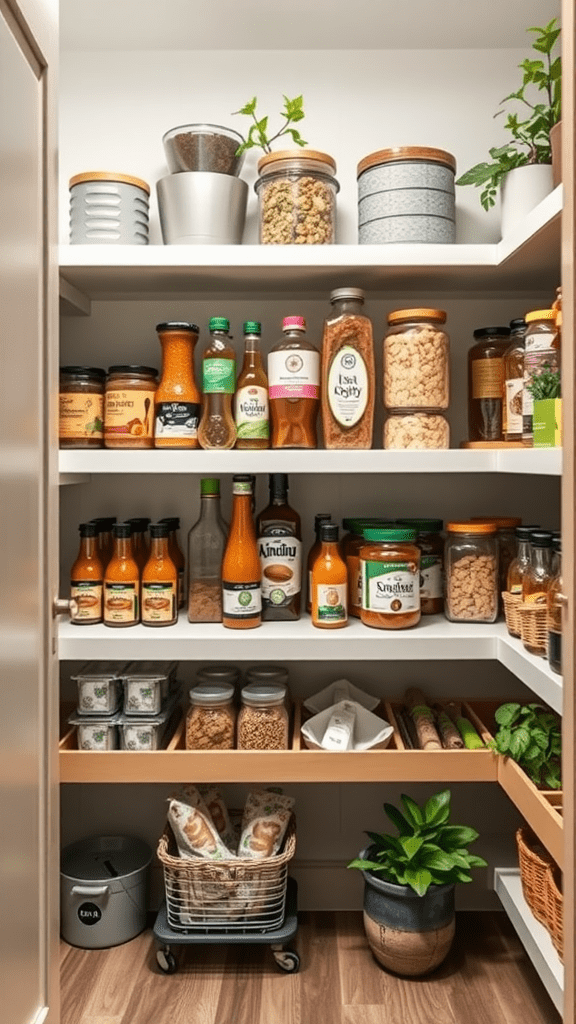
x: 297, y: 198
x: 263, y: 718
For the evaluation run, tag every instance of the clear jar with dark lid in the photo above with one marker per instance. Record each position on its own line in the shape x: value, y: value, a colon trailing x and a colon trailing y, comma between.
x: 211, y: 717
x: 218, y: 674
x: 514, y: 382
x: 81, y: 420
x: 486, y: 383
x: 263, y: 717
x: 471, y: 572
x: 431, y: 543
x: 297, y: 198
x: 416, y: 361
x: 390, y: 568
x: 129, y: 411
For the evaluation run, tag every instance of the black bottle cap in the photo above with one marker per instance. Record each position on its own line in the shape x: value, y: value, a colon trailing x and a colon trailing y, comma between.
x: 104, y: 523
x: 525, y: 532
x: 83, y: 371
x: 541, y: 539
x: 172, y: 522
x: 160, y: 529
x: 278, y: 483
x: 329, y: 532
x: 557, y: 544
x: 88, y: 530
x: 139, y: 524
x: 321, y: 517
x: 178, y: 325
x: 491, y: 332
x: 243, y: 478
x: 122, y: 530
x: 518, y: 326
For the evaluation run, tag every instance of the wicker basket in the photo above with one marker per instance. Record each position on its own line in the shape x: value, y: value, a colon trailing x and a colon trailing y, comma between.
x: 226, y: 895
x: 512, y: 603
x: 534, y: 627
x: 535, y: 862
x: 555, y: 909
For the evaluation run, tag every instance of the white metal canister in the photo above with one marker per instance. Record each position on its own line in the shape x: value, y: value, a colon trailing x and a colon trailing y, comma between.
x: 108, y: 208
x: 406, y: 194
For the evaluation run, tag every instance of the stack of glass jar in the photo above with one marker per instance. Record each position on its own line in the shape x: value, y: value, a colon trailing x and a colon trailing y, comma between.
x: 416, y: 379
x: 214, y: 722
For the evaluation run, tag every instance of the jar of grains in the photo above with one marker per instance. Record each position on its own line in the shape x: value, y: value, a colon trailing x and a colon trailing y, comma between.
x: 129, y: 407
x: 81, y: 423
x: 390, y: 568
x: 416, y: 361
x: 431, y: 543
x: 263, y: 717
x: 471, y: 572
x: 507, y: 543
x: 297, y: 198
x: 414, y: 429
x: 211, y: 717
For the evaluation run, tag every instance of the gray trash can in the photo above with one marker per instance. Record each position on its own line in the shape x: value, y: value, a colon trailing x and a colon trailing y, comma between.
x: 103, y: 891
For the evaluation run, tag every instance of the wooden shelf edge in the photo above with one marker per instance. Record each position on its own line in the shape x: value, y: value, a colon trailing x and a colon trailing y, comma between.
x: 534, y: 805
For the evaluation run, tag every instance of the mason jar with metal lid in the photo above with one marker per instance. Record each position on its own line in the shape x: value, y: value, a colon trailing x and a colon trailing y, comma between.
x: 431, y: 543
x: 471, y: 572
x: 263, y: 718
x: 416, y: 361
x: 297, y: 198
x: 81, y: 420
x: 211, y: 717
x: 129, y: 410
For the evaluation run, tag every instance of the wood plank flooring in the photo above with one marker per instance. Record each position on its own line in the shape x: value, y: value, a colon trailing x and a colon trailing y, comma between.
x: 487, y: 979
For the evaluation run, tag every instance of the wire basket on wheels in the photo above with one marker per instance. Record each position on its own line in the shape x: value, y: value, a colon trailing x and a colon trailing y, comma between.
x: 225, y: 895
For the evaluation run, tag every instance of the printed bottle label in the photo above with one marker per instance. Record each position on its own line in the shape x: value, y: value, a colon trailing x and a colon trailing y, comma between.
x: 158, y: 601
x: 88, y: 597
x: 348, y: 386
x: 219, y: 376
x: 487, y: 378
x: 252, y: 413
x: 241, y: 600
x: 516, y: 588
x: 332, y: 602
x: 392, y: 588
x: 514, y: 400
x: 81, y: 415
x: 281, y: 560
x: 430, y: 577
x: 120, y: 602
x: 129, y: 412
x: 294, y: 373
x: 177, y: 419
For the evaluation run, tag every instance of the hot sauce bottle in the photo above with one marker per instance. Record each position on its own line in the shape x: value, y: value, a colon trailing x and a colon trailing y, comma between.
x: 315, y: 550
x: 241, y: 571
x: 329, y: 582
x: 159, y: 581
x: 177, y: 402
x: 121, y: 582
x: 294, y: 387
x: 86, y: 579
x: 105, y: 545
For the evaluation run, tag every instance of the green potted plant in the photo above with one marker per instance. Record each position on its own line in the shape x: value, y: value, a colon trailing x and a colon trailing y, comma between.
x: 409, y: 883
x: 547, y: 415
x: 531, y: 736
x: 521, y: 168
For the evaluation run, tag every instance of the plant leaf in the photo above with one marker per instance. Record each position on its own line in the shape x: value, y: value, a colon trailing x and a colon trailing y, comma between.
x: 438, y: 860
x: 520, y: 742
x: 419, y: 880
x: 454, y: 837
x: 507, y: 714
x: 411, y: 845
x: 437, y: 809
x: 397, y: 818
x: 413, y: 811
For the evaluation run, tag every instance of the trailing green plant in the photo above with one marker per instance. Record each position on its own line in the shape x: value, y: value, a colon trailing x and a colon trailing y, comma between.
x: 545, y: 384
x: 292, y: 112
x: 530, y: 143
x: 531, y: 736
x: 427, y: 851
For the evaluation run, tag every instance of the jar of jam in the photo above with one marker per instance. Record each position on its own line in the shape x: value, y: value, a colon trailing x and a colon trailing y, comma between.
x: 390, y: 568
x: 129, y: 408
x: 431, y: 543
x: 81, y: 422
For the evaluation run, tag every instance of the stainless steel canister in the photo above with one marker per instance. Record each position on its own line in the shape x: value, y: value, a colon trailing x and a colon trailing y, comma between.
x: 108, y: 208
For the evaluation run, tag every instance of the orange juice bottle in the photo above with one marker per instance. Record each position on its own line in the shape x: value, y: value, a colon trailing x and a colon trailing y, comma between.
x: 159, y: 581
x: 241, y: 570
x: 121, y: 581
x: 329, y: 582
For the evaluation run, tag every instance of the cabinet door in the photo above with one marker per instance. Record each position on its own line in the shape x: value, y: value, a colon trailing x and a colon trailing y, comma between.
x: 28, y: 879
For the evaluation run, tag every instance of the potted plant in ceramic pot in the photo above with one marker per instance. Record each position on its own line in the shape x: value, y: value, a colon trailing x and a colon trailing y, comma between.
x: 522, y: 168
x: 409, y: 883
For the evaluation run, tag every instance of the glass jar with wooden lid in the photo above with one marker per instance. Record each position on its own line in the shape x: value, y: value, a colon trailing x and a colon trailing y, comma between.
x: 471, y: 572
x: 81, y: 421
x: 129, y: 407
x: 297, y: 197
x: 416, y: 361
x: 390, y: 569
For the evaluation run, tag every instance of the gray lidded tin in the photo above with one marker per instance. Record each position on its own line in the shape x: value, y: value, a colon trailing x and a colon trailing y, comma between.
x: 406, y: 195
x: 108, y: 208
x: 103, y: 891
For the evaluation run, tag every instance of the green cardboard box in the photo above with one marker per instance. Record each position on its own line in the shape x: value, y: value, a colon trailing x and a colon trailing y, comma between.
x: 547, y: 423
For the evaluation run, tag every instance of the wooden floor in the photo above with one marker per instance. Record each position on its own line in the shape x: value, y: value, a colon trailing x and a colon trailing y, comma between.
x: 487, y: 979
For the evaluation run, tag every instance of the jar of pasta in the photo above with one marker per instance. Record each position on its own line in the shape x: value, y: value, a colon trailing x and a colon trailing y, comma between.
x: 390, y: 568
x: 211, y: 717
x: 416, y: 361
x: 263, y: 717
x: 471, y: 572
x: 81, y: 423
x: 129, y: 407
x: 297, y: 198
x: 414, y: 429
x: 431, y: 543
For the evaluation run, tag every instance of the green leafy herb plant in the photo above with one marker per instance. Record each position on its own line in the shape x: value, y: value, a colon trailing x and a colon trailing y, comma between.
x: 545, y: 384
x: 427, y: 851
x: 292, y: 112
x: 531, y: 736
x: 530, y: 129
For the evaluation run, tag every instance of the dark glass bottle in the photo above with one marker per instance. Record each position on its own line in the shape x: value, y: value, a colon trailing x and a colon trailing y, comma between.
x: 486, y: 383
x: 280, y: 550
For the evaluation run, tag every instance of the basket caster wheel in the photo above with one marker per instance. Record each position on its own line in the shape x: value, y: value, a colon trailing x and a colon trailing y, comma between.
x: 166, y: 961
x: 288, y: 961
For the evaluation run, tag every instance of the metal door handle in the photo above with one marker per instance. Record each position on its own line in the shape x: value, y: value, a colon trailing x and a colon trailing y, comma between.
x: 64, y: 606
x: 89, y: 890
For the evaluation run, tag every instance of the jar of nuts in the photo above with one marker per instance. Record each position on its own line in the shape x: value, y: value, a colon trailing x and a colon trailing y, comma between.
x: 297, y: 198
x: 263, y: 718
x: 416, y: 361
x: 414, y: 429
x: 211, y: 718
x: 471, y: 572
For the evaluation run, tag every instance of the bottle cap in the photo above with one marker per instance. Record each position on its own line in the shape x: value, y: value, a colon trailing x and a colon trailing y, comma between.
x: 525, y: 532
x: 139, y: 525
x: 122, y: 530
x: 329, y: 532
x: 540, y: 314
x: 159, y: 530
x: 178, y: 325
x: 398, y: 536
x: 242, y: 484
x: 210, y: 485
x: 423, y: 525
x: 399, y: 315
x: 319, y: 517
x: 541, y: 539
x: 104, y: 523
x: 291, y: 323
x: 492, y: 332
x: 278, y: 483
x: 219, y: 323
x: 518, y: 326
x: 557, y: 544
x: 347, y: 293
x: 252, y: 327
x: 88, y: 530
x: 466, y: 526
x: 172, y: 522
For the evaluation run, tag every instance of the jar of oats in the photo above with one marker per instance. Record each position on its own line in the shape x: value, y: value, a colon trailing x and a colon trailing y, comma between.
x: 297, y: 198
x: 416, y: 361
x: 263, y: 717
x: 471, y: 572
x: 211, y: 717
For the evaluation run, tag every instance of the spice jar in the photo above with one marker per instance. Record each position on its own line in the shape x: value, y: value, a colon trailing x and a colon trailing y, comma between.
x: 211, y: 718
x: 486, y: 383
x: 416, y: 430
x: 81, y: 422
x: 390, y: 568
x: 431, y: 543
x: 129, y: 410
x: 263, y: 718
x: 297, y: 198
x: 471, y: 572
x: 541, y: 363
x: 416, y: 361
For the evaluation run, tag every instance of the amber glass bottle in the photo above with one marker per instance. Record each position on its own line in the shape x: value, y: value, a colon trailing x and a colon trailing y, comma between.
x: 217, y: 428
x: 177, y: 402
x: 176, y: 554
x: 122, y: 581
x: 329, y: 582
x: 159, y: 595
x: 104, y: 526
x: 520, y: 563
x: 538, y: 575
x: 486, y: 383
x: 241, y: 571
x: 294, y: 376
x: 321, y: 517
x: 251, y: 400
x: 140, y: 540
x: 280, y: 549
x: 554, y: 607
x: 86, y: 576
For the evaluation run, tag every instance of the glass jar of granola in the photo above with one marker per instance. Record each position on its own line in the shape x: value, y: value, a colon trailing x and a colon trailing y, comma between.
x: 211, y: 718
x: 297, y: 198
x: 263, y: 717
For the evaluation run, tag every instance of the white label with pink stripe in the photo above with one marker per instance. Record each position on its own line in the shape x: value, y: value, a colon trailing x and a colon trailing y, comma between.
x: 294, y: 373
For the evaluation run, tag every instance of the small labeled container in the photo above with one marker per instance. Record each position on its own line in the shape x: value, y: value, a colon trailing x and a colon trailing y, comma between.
x: 471, y: 572
x: 108, y: 208
x: 263, y: 722
x: 297, y: 198
x: 416, y: 361
x: 129, y: 407
x: 145, y: 733
x: 81, y: 419
x: 431, y: 543
x: 99, y: 688
x: 97, y: 732
x: 390, y: 569
x: 406, y: 194
x: 147, y: 687
x: 211, y: 717
x: 416, y: 430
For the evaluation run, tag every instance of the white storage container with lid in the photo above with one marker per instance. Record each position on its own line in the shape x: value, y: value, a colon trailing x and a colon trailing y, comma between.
x: 99, y: 687
x: 108, y: 208
x: 406, y: 194
x: 96, y: 732
x: 147, y: 686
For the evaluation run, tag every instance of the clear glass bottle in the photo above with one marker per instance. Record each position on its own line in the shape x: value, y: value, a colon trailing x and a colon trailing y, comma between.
x: 348, y: 374
x: 211, y: 717
x: 177, y: 402
x: 263, y: 717
x: 471, y: 572
x: 251, y: 411
x: 514, y: 382
x: 542, y: 353
x: 206, y: 543
x: 86, y: 579
x: 538, y: 576
x: 294, y: 387
x: 486, y: 383
x: 217, y: 429
x: 554, y: 604
x: 520, y: 563
x: 280, y: 548
x: 159, y: 586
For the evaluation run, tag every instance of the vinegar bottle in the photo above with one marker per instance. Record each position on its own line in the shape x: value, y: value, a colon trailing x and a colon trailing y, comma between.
x: 206, y: 543
x: 217, y: 428
x: 251, y: 400
x: 159, y: 581
x: 294, y: 376
x: 86, y: 579
x: 241, y: 572
x: 121, y: 581
x: 329, y: 582
x: 314, y: 551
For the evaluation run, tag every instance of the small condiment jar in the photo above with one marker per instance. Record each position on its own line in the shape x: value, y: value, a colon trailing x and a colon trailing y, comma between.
x: 390, y: 568
x: 129, y: 407
x: 211, y: 717
x: 471, y: 572
x: 263, y: 718
x: 81, y: 420
x: 431, y: 543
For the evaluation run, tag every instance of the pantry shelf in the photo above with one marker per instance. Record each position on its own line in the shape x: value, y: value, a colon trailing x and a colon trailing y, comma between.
x: 542, y: 809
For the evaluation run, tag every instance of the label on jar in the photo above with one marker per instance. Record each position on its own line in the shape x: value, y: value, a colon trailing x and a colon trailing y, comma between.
x: 129, y: 413
x: 219, y: 376
x: 431, y: 577
x: 158, y: 601
x: 120, y: 602
x: 252, y: 413
x: 81, y: 415
x: 294, y: 373
x: 348, y: 386
x: 281, y: 560
x: 88, y: 597
x: 514, y: 401
x: 241, y: 600
x: 332, y: 602
x: 487, y: 378
x: 177, y: 419
x: 392, y: 588
x: 540, y: 341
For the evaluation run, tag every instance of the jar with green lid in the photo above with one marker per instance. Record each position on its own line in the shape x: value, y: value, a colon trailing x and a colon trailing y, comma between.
x: 263, y: 717
x: 129, y: 407
x: 431, y: 543
x: 351, y: 544
x: 297, y: 198
x: 541, y: 365
x: 81, y: 420
x: 211, y: 717
x: 390, y: 569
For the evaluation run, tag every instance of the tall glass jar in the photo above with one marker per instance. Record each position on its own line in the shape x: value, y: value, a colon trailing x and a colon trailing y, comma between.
x: 554, y: 606
x: 211, y: 717
x: 81, y: 421
x: 471, y: 572
x: 348, y: 374
x: 297, y: 198
x: 514, y: 382
x: 263, y: 717
x: 206, y: 543
x: 129, y: 407
x: 416, y: 361
x: 486, y: 383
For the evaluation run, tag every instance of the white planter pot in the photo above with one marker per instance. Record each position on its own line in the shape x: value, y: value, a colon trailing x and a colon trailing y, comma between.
x: 521, y: 190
